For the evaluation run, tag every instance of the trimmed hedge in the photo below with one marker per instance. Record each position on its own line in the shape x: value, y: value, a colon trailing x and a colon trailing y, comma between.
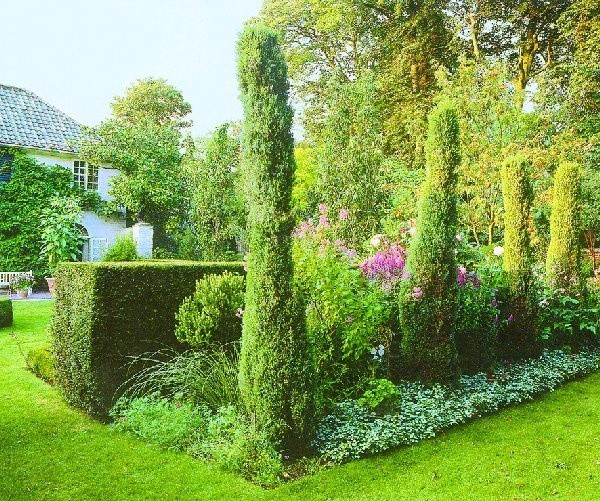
x: 41, y: 362
x: 6, y: 312
x: 106, y: 313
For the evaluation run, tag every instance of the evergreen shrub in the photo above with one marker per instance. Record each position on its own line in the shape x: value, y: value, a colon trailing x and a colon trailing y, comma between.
x: 275, y: 370
x: 106, y: 313
x: 41, y: 362
x: 564, y: 252
x: 519, y: 336
x: 6, y: 312
x: 213, y: 314
x: 428, y: 299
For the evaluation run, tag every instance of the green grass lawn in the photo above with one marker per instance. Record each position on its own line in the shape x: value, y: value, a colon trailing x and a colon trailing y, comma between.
x: 548, y: 448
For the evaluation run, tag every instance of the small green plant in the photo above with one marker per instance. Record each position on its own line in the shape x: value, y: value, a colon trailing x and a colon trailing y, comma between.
x: 40, y: 361
x: 123, y: 249
x: 60, y: 236
x: 213, y: 314
x: 6, y: 312
x: 381, y: 396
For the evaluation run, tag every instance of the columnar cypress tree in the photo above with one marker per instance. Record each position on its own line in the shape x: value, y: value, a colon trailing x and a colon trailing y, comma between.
x: 275, y: 373
x: 564, y: 255
x: 428, y: 299
x: 518, y: 338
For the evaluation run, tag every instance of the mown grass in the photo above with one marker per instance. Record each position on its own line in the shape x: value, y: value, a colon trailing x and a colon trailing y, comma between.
x: 548, y: 448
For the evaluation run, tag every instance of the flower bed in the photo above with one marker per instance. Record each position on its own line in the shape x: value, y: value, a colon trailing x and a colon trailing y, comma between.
x: 352, y: 431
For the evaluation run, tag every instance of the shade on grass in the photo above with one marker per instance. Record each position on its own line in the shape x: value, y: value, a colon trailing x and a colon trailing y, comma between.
x: 49, y: 450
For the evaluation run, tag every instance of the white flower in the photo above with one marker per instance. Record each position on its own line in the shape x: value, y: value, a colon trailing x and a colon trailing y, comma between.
x: 412, y: 231
x: 498, y: 250
x: 459, y: 237
x: 376, y: 240
x: 380, y: 350
x: 373, y: 351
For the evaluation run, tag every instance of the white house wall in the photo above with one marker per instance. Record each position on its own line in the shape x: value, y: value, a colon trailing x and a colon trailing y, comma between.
x: 65, y: 160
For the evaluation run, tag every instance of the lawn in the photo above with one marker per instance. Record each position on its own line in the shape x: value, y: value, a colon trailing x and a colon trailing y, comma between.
x: 548, y: 448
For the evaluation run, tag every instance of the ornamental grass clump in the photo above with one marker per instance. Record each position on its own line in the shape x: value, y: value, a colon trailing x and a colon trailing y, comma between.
x: 275, y: 371
x: 564, y: 253
x: 519, y: 336
x: 428, y: 298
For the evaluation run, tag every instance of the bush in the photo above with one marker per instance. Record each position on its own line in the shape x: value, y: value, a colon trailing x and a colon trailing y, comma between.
x: 477, y: 321
x: 106, y: 313
x: 276, y: 375
x: 123, y: 249
x: 564, y: 252
x: 519, y: 336
x: 213, y: 314
x: 6, y: 312
x: 428, y: 299
x: 41, y: 362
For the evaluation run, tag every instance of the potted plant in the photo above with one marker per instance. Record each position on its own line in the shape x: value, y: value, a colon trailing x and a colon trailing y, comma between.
x: 22, y: 284
x: 60, y: 236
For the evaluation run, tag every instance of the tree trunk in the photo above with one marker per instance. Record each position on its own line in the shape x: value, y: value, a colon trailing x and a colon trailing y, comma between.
x: 527, y: 53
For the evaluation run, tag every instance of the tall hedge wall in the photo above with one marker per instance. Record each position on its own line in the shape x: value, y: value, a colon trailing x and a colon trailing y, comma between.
x: 107, y: 312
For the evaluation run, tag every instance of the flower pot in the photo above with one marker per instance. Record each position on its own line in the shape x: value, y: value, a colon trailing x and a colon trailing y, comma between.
x: 23, y: 293
x: 51, y: 284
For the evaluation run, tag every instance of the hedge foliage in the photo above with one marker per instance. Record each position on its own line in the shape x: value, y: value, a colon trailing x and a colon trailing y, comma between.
x: 6, y: 312
x: 107, y: 312
x: 275, y: 372
x: 428, y: 299
x: 564, y: 252
x: 519, y: 337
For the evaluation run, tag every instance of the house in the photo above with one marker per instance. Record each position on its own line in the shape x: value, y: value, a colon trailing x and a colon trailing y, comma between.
x: 50, y: 137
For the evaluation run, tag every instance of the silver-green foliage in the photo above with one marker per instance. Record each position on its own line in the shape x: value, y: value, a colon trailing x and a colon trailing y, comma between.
x: 275, y: 373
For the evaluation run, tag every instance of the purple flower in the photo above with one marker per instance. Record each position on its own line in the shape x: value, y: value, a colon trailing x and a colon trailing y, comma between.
x: 323, y: 222
x: 496, y: 320
x: 417, y: 293
x: 385, y: 266
x: 344, y: 215
x: 494, y: 302
x: 510, y: 318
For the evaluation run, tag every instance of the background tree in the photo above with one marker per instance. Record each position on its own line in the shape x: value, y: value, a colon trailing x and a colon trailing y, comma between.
x: 428, y: 299
x: 143, y: 140
x: 216, y: 213
x: 275, y: 372
x: 519, y: 336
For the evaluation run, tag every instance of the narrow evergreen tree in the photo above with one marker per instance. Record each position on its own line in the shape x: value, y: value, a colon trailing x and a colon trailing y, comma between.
x: 428, y: 299
x: 564, y: 254
x: 275, y: 373
x: 518, y: 337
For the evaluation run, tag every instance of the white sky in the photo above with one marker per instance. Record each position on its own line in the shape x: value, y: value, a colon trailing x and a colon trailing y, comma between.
x: 78, y: 54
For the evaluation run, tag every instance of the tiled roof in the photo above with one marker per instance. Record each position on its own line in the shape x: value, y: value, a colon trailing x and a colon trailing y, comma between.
x: 27, y: 121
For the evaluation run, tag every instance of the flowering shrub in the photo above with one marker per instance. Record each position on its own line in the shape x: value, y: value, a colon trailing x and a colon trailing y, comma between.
x: 477, y: 320
x: 386, y: 266
x: 353, y: 431
x: 347, y: 314
x: 22, y: 282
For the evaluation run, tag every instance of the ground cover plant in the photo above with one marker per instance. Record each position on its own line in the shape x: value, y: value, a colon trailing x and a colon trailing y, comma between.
x: 538, y: 449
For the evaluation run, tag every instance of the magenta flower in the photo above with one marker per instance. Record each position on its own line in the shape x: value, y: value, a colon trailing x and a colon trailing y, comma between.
x: 344, y: 215
x: 385, y: 266
x: 510, y: 318
x: 496, y: 320
x: 494, y: 302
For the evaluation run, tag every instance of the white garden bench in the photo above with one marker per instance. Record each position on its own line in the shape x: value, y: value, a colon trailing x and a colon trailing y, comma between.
x: 6, y: 278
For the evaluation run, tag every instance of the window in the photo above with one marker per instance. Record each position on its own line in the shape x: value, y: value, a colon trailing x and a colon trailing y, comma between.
x: 85, y: 176
x: 5, y: 167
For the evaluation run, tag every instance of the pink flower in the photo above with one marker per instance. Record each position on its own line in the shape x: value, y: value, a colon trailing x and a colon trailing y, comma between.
x: 323, y: 208
x: 344, y: 215
x: 417, y: 293
x: 323, y: 222
x: 240, y: 313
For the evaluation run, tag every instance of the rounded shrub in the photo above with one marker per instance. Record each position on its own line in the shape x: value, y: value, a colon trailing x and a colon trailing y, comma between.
x: 275, y: 370
x: 213, y: 314
x: 41, y: 362
x: 6, y: 312
x: 519, y: 336
x: 428, y: 299
x: 564, y: 254
x: 123, y: 249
